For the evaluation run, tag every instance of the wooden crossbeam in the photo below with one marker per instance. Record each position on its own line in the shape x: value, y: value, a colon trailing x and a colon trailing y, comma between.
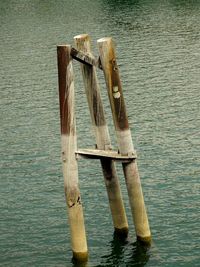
x: 104, y: 154
x: 84, y: 58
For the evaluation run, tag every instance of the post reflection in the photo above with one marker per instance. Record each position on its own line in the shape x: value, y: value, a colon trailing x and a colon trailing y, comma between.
x: 140, y: 255
x: 125, y: 253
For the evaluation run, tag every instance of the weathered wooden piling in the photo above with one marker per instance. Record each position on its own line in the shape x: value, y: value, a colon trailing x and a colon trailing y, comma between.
x: 69, y: 146
x: 124, y: 139
x: 103, y: 142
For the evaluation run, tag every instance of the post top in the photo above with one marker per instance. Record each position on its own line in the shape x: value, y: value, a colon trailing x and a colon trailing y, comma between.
x: 104, y: 39
x: 63, y: 45
x: 81, y: 36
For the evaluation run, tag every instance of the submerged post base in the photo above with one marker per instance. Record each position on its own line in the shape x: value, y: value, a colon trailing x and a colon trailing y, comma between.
x: 80, y: 256
x: 121, y: 233
x: 145, y: 240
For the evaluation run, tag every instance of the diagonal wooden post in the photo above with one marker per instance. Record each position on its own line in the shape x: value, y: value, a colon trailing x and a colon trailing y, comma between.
x: 69, y: 146
x: 111, y: 73
x: 102, y: 138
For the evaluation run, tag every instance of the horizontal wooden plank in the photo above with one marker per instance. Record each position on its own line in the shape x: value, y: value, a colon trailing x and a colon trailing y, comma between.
x: 104, y: 154
x: 85, y: 58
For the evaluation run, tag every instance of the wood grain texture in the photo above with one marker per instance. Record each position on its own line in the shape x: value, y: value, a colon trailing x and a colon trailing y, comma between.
x: 111, y: 74
x: 66, y: 88
x: 95, y: 104
x: 105, y: 154
x: 124, y: 139
x: 69, y: 146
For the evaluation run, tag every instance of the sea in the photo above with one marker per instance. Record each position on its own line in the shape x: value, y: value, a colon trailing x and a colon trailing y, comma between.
x: 158, y: 54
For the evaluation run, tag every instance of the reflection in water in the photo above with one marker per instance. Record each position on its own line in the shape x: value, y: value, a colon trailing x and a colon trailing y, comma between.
x: 184, y: 3
x: 140, y: 255
x: 117, y: 252
x: 119, y: 3
x: 118, y: 7
x: 124, y: 253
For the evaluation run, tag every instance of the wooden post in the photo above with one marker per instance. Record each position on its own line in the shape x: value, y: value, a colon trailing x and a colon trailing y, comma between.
x: 111, y: 73
x: 69, y: 146
x: 102, y: 138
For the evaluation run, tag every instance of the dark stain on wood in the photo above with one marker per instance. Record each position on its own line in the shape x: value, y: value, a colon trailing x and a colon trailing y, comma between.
x: 108, y: 169
x: 73, y: 197
x: 93, y: 95
x: 65, y: 79
x: 90, y: 81
x: 84, y: 58
x: 117, y: 103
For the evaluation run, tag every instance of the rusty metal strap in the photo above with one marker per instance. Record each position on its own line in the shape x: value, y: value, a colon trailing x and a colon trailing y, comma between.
x: 85, y: 58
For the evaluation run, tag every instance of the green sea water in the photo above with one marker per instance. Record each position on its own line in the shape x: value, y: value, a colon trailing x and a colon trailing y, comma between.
x: 158, y: 53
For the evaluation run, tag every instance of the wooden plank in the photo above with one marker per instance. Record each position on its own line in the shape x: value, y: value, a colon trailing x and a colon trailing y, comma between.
x: 85, y: 58
x: 109, y: 154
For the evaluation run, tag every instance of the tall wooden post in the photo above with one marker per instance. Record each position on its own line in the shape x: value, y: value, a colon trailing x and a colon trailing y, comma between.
x: 69, y: 146
x: 102, y: 138
x: 111, y: 73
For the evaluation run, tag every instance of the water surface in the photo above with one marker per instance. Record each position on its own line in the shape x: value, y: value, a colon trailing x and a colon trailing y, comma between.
x: 158, y: 48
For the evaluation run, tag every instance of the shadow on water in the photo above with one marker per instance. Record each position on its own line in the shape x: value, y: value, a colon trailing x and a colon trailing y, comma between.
x: 184, y: 3
x: 140, y: 255
x: 121, y: 3
x: 124, y: 253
